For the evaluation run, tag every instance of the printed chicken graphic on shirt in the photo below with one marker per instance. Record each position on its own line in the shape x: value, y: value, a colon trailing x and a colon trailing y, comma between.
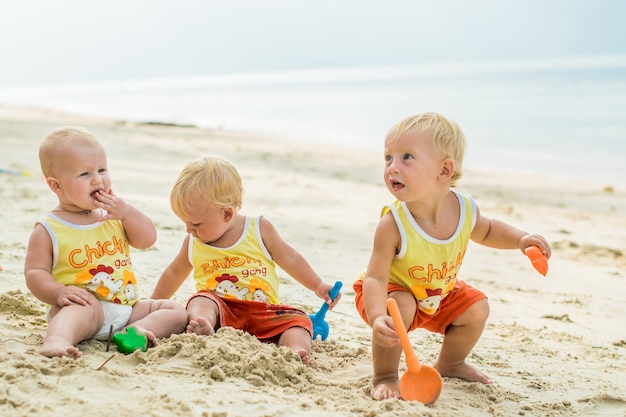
x: 226, y: 287
x: 260, y: 290
x: 103, y: 284
x: 430, y: 304
x: 99, y: 281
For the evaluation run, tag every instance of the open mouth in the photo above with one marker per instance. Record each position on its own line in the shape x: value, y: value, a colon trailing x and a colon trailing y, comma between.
x: 396, y: 185
x: 95, y: 193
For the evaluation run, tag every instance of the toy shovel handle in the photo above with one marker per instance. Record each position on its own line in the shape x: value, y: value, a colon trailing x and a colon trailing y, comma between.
x: 412, y: 362
x: 334, y: 292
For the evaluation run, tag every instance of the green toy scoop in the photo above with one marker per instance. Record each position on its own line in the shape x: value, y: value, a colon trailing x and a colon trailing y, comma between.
x: 129, y: 340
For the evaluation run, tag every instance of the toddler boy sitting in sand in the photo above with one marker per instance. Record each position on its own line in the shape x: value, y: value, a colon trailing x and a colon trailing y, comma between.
x: 233, y: 259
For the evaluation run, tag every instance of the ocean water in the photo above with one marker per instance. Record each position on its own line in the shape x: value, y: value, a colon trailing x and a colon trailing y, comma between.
x: 558, y: 117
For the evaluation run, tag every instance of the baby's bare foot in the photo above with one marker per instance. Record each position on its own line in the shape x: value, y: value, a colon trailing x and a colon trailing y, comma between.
x: 200, y: 326
x: 304, y: 356
x: 386, y: 389
x: 465, y: 372
x: 152, y: 340
x: 52, y: 349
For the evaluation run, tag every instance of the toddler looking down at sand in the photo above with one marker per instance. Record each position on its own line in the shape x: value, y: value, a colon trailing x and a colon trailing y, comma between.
x: 233, y: 258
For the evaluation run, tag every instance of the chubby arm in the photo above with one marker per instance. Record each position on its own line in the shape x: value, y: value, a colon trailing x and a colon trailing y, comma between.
x: 174, y: 275
x: 386, y: 244
x: 293, y: 263
x: 139, y: 228
x: 497, y: 234
x: 38, y: 274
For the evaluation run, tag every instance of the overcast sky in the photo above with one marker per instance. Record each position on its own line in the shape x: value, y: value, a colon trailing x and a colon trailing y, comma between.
x: 60, y: 41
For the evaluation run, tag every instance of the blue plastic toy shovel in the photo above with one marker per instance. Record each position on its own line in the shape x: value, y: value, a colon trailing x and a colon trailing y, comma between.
x: 320, y: 327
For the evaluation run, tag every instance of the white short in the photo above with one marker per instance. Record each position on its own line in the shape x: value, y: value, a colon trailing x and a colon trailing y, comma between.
x: 116, y: 315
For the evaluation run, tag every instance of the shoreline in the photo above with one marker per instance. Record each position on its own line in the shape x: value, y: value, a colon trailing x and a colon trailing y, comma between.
x: 326, y: 202
x: 558, y: 117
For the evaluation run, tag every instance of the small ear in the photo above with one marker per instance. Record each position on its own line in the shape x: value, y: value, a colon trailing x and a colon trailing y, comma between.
x: 54, y: 184
x: 228, y: 213
x: 447, y: 169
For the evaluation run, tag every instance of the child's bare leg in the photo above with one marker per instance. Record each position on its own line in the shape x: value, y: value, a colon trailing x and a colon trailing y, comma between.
x: 385, y: 378
x: 158, y: 318
x: 299, y: 341
x: 386, y: 359
x: 203, y: 316
x: 458, y: 342
x: 70, y: 325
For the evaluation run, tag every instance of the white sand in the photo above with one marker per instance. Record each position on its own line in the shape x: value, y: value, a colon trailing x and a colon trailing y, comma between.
x: 554, y: 346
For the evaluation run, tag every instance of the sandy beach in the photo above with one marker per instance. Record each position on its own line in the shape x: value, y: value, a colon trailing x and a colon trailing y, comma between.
x: 554, y: 345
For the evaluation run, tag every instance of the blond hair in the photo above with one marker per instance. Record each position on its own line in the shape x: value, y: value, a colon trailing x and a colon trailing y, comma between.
x: 446, y: 135
x: 209, y: 181
x: 54, y: 146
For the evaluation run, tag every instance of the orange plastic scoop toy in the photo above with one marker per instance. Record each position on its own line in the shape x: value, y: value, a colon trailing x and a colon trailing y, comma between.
x: 538, y: 259
x: 420, y: 382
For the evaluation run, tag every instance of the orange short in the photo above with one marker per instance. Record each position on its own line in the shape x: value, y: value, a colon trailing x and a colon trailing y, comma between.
x: 265, y: 321
x: 462, y: 297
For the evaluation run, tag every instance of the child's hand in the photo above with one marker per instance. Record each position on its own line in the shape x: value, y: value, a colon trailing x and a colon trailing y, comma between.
x: 535, y: 240
x: 70, y: 294
x: 115, y: 207
x: 538, y: 259
x: 538, y: 251
x: 323, y: 292
x: 383, y: 332
x: 140, y: 230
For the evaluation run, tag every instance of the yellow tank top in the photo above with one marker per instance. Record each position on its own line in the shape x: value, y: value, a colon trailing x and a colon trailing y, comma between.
x: 428, y: 267
x: 244, y: 271
x: 95, y: 257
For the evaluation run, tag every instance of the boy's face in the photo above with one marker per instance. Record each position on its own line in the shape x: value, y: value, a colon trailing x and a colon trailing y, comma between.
x: 412, y: 165
x: 208, y: 224
x: 83, y: 172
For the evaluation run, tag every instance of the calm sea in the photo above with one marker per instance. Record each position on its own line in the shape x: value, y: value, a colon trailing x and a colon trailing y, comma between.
x: 558, y: 117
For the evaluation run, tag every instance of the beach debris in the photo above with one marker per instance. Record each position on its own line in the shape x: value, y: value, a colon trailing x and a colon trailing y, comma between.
x: 104, y: 363
x: 22, y: 173
x: 109, y: 338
